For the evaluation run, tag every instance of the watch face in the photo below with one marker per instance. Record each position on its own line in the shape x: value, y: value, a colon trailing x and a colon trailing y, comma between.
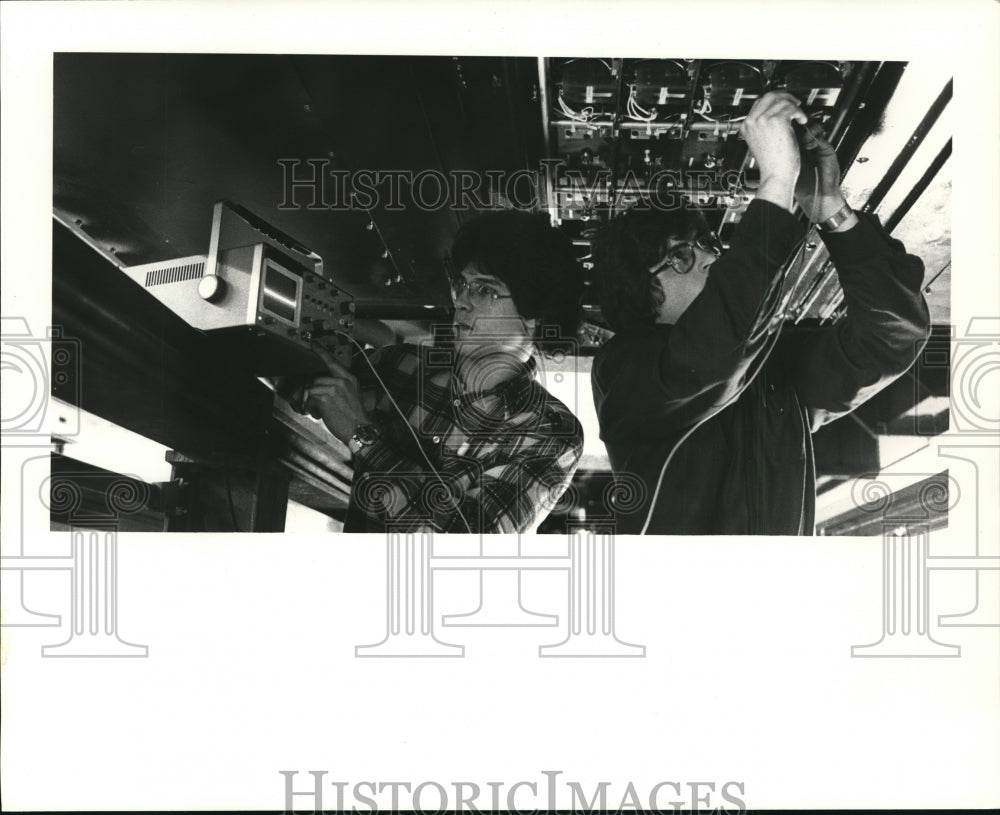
x: 366, y: 434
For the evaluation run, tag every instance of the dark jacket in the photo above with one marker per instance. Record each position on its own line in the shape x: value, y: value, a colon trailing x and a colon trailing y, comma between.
x: 732, y: 401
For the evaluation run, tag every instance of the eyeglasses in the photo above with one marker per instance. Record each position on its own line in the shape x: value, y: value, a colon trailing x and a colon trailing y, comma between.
x: 681, y: 257
x: 481, y: 295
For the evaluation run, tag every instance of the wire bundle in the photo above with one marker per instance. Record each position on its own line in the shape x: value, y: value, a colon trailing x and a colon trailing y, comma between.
x: 636, y: 111
x: 584, y: 115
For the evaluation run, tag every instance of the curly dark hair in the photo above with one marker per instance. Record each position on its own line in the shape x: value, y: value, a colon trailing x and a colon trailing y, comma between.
x: 624, y: 250
x: 536, y: 261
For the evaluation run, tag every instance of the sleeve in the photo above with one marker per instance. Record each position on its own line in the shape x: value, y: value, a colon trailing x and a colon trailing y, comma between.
x: 385, y: 360
x: 393, y: 364
x: 519, y: 485
x: 652, y: 380
x: 884, y: 329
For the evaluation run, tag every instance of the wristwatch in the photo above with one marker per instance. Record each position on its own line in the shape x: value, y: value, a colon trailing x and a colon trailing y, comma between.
x: 835, y: 220
x: 364, y: 436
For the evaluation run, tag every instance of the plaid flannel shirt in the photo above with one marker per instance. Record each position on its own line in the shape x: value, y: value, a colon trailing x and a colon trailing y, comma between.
x: 503, y: 456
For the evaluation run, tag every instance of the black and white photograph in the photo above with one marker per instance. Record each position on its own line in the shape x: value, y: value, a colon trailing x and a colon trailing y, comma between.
x: 615, y: 388
x: 503, y: 294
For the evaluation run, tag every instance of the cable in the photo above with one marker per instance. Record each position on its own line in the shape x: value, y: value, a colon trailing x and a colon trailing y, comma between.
x: 634, y: 104
x: 406, y: 423
x: 229, y: 494
x: 783, y: 310
x: 585, y: 115
x: 636, y: 111
x: 706, y: 108
x: 767, y: 353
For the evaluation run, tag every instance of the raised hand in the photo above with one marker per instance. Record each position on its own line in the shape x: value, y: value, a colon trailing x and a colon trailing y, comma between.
x: 773, y: 144
x: 818, y: 188
x: 335, y: 399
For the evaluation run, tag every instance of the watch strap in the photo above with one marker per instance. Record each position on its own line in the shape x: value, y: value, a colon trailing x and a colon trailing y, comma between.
x: 835, y: 220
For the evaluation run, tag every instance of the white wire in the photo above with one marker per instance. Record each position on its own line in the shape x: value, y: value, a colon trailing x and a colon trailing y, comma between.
x: 636, y: 108
x: 635, y: 104
x: 706, y: 108
x: 635, y: 111
x: 584, y: 115
x: 405, y: 422
x: 767, y: 353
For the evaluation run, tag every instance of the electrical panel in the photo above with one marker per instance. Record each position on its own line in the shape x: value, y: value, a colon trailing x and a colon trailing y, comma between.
x: 668, y: 130
x: 627, y: 128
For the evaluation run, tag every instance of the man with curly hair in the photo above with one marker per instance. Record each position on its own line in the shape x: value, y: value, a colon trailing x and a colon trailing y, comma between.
x: 697, y: 394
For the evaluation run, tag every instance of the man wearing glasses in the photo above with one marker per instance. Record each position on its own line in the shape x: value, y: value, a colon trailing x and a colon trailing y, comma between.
x: 697, y: 396
x: 463, y: 438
